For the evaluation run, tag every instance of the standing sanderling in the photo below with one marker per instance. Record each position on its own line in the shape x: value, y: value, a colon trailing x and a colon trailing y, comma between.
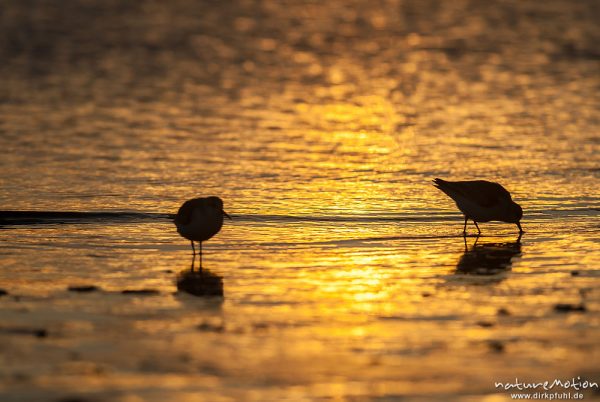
x: 199, y: 219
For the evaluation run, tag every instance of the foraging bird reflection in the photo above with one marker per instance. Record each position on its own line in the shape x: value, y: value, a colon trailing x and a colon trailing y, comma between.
x: 199, y: 219
x: 489, y: 258
x: 482, y: 201
x: 200, y: 282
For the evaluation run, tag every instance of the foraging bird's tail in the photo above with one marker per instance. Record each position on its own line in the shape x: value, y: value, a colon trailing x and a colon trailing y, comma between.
x: 438, y: 182
x: 443, y: 185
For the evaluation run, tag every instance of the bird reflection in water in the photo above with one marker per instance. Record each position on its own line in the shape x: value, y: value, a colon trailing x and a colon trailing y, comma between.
x: 489, y: 258
x: 199, y: 282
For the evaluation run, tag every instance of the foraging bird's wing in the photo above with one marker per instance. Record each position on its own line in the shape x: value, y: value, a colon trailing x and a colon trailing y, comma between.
x: 482, y: 192
x: 184, y: 214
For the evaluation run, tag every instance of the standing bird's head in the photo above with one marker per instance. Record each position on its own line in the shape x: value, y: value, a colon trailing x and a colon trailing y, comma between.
x: 217, y: 204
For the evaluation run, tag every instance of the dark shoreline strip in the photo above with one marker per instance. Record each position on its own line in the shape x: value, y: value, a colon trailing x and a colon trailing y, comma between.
x: 56, y: 217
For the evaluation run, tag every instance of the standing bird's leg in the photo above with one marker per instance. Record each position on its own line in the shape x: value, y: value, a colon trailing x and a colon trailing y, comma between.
x: 478, y: 231
x: 193, y: 249
x: 200, y: 256
x: 465, y: 227
x: 520, y: 229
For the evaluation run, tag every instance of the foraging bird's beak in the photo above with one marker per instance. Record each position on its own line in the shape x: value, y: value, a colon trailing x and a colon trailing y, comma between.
x: 225, y: 214
x: 519, y: 226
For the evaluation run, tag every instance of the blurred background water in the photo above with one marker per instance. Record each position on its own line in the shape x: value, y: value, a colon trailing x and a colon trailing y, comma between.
x: 320, y: 124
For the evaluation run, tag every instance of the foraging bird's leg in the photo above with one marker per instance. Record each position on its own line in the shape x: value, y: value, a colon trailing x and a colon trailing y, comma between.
x: 465, y: 240
x: 478, y: 231
x: 465, y: 228
x: 193, y: 260
x: 193, y: 249
x: 520, y: 229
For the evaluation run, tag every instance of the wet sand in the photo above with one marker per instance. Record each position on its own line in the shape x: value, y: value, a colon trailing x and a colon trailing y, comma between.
x: 92, y: 312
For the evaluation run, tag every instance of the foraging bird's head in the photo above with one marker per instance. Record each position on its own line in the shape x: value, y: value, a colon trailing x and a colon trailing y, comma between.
x: 516, y: 212
x: 216, y: 203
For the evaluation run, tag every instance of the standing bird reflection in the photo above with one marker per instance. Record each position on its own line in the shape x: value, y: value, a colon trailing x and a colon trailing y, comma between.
x: 199, y: 219
x: 482, y: 201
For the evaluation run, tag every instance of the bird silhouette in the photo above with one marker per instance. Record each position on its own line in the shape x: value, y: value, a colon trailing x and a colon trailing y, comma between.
x: 482, y: 201
x: 199, y: 219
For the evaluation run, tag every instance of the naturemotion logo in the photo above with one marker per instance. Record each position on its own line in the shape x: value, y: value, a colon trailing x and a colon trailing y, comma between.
x: 573, y: 384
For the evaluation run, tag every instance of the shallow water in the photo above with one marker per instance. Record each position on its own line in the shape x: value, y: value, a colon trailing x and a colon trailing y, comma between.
x: 321, y: 126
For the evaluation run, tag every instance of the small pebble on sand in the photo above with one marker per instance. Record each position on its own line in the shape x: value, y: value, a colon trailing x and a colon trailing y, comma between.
x: 568, y: 307
x: 83, y: 289
x: 140, y: 292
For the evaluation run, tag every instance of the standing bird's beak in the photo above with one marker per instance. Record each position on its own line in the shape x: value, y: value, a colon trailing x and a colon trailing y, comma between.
x: 519, y: 226
x: 227, y: 215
